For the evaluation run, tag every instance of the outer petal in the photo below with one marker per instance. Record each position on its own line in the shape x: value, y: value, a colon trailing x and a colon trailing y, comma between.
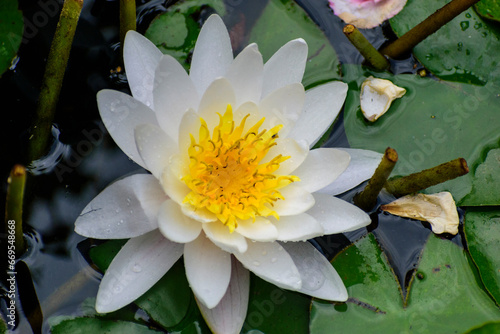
x: 220, y: 235
x: 229, y: 315
x: 176, y: 226
x: 208, y: 270
x: 298, y: 228
x: 319, y: 278
x: 125, y: 209
x: 212, y: 54
x: 271, y: 262
x: 361, y: 168
x: 121, y: 113
x: 260, y: 230
x: 285, y: 67
x: 174, y: 93
x: 321, y: 167
x: 155, y: 147
x: 322, y: 105
x: 141, y: 262
x: 288, y: 100
x: 297, y: 200
x: 245, y: 75
x: 336, y: 215
x: 141, y: 58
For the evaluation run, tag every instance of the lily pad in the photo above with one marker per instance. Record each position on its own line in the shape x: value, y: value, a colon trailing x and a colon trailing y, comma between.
x: 489, y: 9
x: 11, y: 32
x: 491, y: 327
x: 482, y: 232
x: 465, y: 49
x: 175, y: 31
x: 443, y: 298
x: 96, y: 325
x: 485, y: 189
x: 284, y: 20
x: 433, y: 123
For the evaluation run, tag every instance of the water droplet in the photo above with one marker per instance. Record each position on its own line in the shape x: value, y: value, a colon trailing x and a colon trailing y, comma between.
x: 264, y: 253
x: 484, y: 34
x: 477, y: 25
x: 460, y: 46
x: 118, y: 288
x: 107, y: 230
x: 273, y: 260
x: 428, y: 56
x: 121, y: 222
x: 117, y: 210
x: 136, y: 268
x: 256, y: 263
x: 464, y: 25
x: 467, y: 15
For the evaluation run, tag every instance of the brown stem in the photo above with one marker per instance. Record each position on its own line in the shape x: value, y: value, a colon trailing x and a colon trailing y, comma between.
x: 427, y: 178
x: 404, y: 44
x: 14, y: 208
x: 367, y: 199
x: 368, y: 51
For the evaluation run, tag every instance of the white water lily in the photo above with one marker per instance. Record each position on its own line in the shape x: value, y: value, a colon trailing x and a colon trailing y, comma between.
x: 233, y: 176
x: 365, y: 14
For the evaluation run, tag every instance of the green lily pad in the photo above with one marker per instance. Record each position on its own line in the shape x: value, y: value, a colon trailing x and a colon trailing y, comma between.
x: 284, y: 20
x: 96, y: 325
x: 465, y: 49
x: 432, y: 123
x: 489, y: 9
x: 11, y: 32
x: 175, y: 31
x: 485, y: 187
x: 491, y: 327
x: 443, y: 298
x: 482, y: 232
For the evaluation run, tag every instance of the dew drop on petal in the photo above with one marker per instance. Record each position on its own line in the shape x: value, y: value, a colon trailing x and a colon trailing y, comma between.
x: 136, y: 268
x: 118, y: 288
x: 273, y: 260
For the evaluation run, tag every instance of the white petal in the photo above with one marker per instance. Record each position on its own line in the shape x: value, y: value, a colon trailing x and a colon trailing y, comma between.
x: 125, y: 209
x: 285, y: 67
x: 319, y: 278
x: 260, y: 230
x: 220, y: 235
x: 336, y: 215
x: 245, y: 75
x: 141, y: 262
x: 296, y: 150
x: 155, y: 148
x: 208, y: 270
x: 200, y: 215
x: 171, y: 183
x: 140, y: 57
x: 174, y: 93
x: 176, y: 226
x: 121, y: 113
x: 229, y: 315
x: 190, y: 125
x: 321, y: 167
x: 297, y: 200
x: 218, y: 95
x: 322, y: 105
x: 271, y: 262
x: 361, y: 168
x: 288, y: 100
x: 298, y: 228
x: 212, y: 54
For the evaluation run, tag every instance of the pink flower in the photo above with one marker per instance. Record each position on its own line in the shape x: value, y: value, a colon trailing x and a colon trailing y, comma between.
x: 365, y: 14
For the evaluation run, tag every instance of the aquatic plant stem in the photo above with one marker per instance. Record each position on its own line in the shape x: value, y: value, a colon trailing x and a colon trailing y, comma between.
x: 52, y: 80
x: 429, y: 177
x: 127, y: 18
x: 367, y: 199
x: 404, y: 44
x: 14, y: 207
x: 372, y: 56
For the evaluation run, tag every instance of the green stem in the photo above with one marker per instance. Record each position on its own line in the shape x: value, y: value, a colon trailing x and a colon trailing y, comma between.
x: 427, y: 178
x: 430, y: 25
x: 372, y: 56
x: 52, y: 79
x: 367, y: 199
x: 14, y: 207
x: 127, y: 18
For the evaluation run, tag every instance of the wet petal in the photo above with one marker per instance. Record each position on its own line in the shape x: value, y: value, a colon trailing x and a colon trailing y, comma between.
x: 220, y: 235
x: 298, y: 228
x: 260, y: 230
x: 288, y: 101
x: 141, y: 262
x: 125, y: 209
x: 175, y: 225
x: 218, y: 95
x: 297, y: 200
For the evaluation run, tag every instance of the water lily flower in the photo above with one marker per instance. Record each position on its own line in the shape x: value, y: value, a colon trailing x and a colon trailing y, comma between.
x: 365, y: 14
x: 234, y: 186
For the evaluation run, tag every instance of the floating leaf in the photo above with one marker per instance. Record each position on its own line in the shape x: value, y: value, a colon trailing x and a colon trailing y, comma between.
x: 284, y: 20
x: 489, y: 9
x: 491, y: 327
x: 444, y: 297
x: 11, y: 32
x: 433, y: 123
x: 97, y: 325
x: 482, y: 232
x: 485, y: 185
x: 466, y: 49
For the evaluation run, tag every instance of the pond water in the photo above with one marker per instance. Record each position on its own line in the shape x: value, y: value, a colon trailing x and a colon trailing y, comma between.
x: 55, y: 277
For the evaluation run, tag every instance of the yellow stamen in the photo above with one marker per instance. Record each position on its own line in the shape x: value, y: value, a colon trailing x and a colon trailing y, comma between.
x: 225, y: 173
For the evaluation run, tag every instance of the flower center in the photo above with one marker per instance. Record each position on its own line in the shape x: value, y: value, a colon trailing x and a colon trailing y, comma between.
x: 226, y: 173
